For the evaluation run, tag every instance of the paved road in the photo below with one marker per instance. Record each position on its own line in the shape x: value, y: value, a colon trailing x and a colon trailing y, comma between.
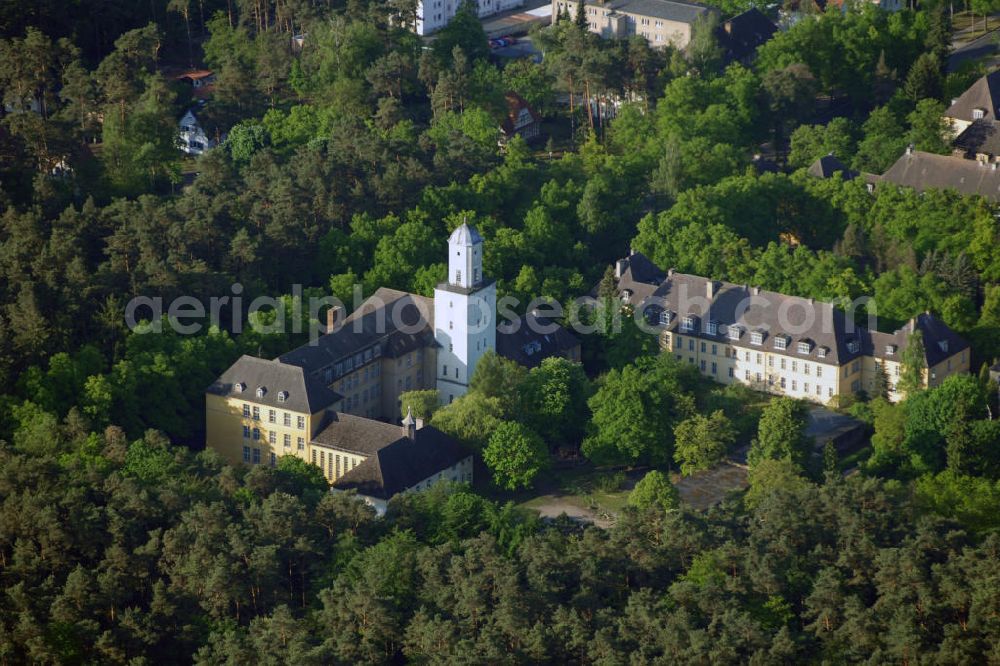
x: 980, y: 47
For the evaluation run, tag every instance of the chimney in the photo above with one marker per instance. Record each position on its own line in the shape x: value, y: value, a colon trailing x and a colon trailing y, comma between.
x: 710, y: 288
x: 620, y: 266
x: 631, y: 251
x: 410, y: 425
x: 334, y: 317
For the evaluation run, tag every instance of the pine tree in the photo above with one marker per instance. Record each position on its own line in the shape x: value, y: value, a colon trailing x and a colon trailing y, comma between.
x: 581, y: 16
x: 913, y: 362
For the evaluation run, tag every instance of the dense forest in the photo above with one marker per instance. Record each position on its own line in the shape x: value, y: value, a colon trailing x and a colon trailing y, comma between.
x: 115, y: 553
x: 349, y: 154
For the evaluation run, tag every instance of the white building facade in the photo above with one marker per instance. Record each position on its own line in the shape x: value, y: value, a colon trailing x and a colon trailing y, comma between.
x: 432, y: 15
x: 464, y: 314
x: 192, y: 136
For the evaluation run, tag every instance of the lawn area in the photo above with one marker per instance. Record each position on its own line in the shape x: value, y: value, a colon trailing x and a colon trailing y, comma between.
x: 585, y: 492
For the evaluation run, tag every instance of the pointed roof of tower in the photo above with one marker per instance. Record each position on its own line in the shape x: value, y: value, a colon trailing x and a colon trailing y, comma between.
x: 465, y: 235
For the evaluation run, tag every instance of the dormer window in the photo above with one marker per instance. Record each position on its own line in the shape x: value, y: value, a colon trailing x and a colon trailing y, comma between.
x: 261, y: 390
x: 943, y: 344
x: 239, y: 387
x: 282, y: 396
x: 687, y: 324
x: 780, y: 342
x: 666, y: 317
x: 626, y: 294
x: 756, y: 338
x: 713, y: 328
x: 804, y: 347
x: 853, y: 346
x: 734, y: 332
x: 821, y: 352
x: 890, y: 350
x: 978, y: 114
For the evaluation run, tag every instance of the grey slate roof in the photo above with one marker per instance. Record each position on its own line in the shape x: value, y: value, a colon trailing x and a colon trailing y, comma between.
x: 640, y: 276
x: 403, y: 463
x: 924, y: 171
x: 305, y: 394
x: 828, y: 165
x: 465, y: 235
x: 668, y: 10
x: 357, y: 434
x: 372, y: 323
x: 741, y: 35
x: 755, y: 310
x: 758, y: 310
x: 522, y: 343
x: 982, y: 136
x: 983, y: 94
x: 934, y: 333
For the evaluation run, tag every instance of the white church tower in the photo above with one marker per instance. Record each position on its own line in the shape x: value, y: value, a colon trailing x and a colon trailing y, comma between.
x: 465, y: 308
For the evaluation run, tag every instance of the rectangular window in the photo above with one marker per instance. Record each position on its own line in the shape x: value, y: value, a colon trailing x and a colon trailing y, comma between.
x: 687, y: 323
x: 301, y: 443
x: 782, y: 382
x: 805, y: 387
x: 271, y: 416
x: 300, y: 422
x: 715, y: 350
x: 246, y: 432
x: 730, y: 372
x: 735, y: 332
x: 256, y: 433
x: 819, y: 389
x: 805, y: 368
x: 829, y: 392
x: 274, y: 459
x: 691, y: 344
x: 782, y: 364
x: 246, y: 454
x: 760, y: 359
x: 272, y: 437
x: 756, y: 338
x: 287, y: 420
x: 780, y: 342
x: 713, y: 328
x: 256, y: 456
x: 795, y: 385
x: 256, y: 413
x: 715, y: 368
x: 803, y: 347
x: 246, y: 411
x: 678, y: 343
x: 314, y: 456
x: 338, y: 466
x: 746, y: 375
x: 795, y: 366
x: 770, y: 361
x: 703, y: 348
x: 287, y: 441
x: 703, y: 366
